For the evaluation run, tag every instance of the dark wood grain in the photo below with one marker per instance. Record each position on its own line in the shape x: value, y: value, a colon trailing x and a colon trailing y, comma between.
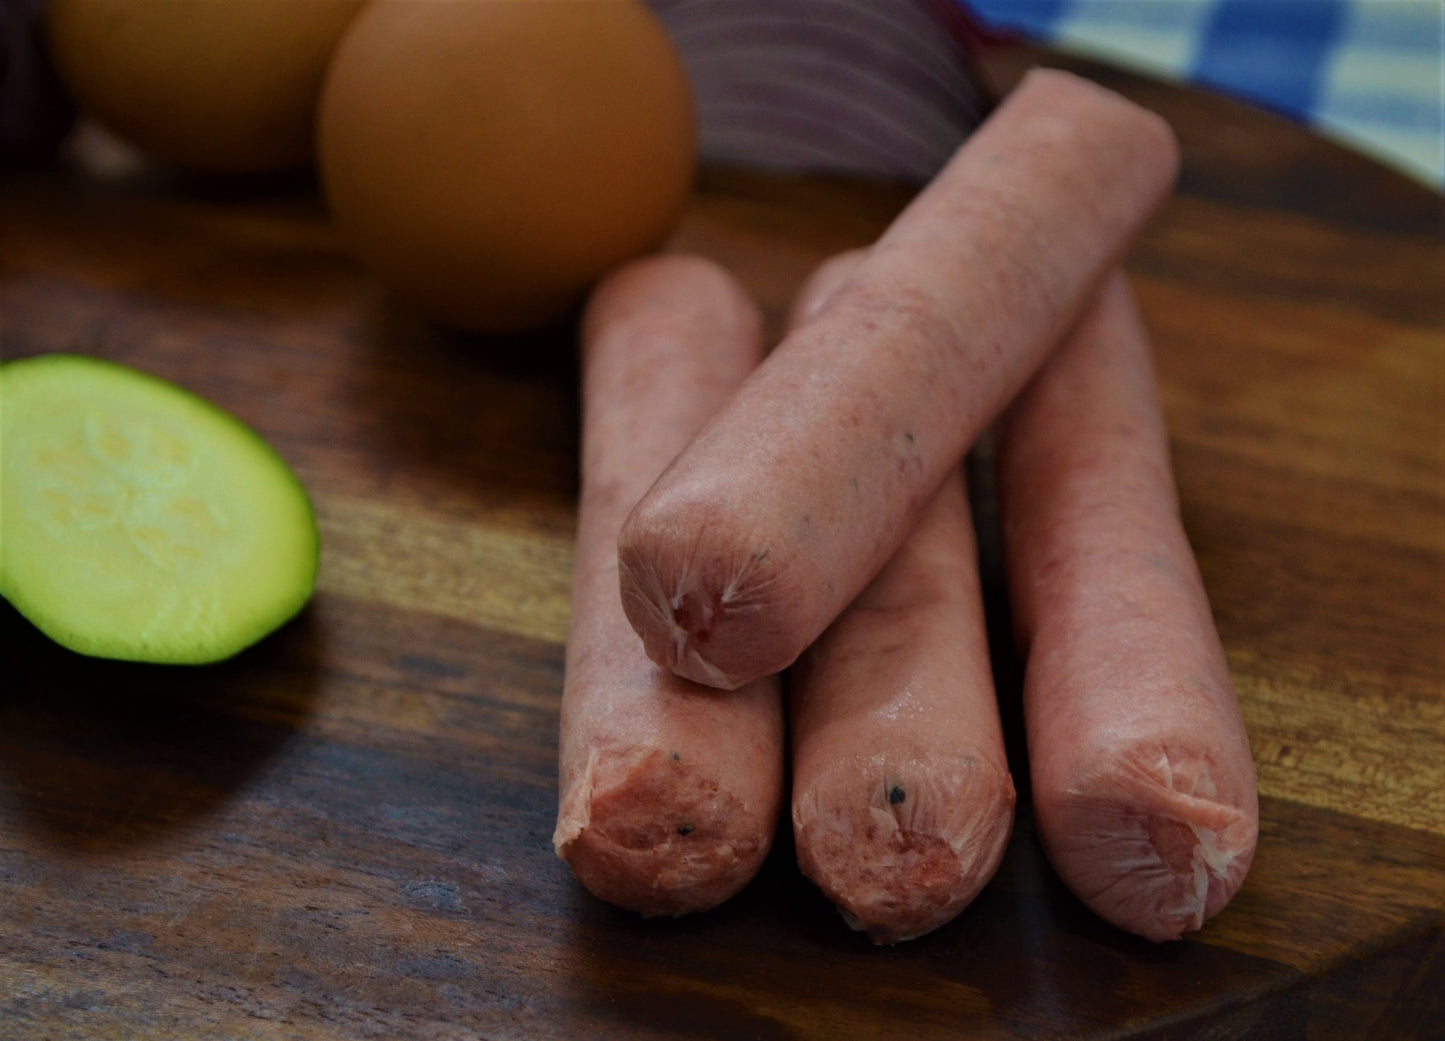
x: 345, y: 831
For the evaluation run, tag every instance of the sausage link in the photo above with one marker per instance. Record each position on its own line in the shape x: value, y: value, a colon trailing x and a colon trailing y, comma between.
x: 669, y: 792
x: 902, y: 801
x: 1142, y: 777
x: 790, y: 500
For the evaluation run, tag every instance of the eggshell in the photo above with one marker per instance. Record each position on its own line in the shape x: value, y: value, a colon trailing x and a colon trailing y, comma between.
x: 490, y: 159
x: 224, y: 85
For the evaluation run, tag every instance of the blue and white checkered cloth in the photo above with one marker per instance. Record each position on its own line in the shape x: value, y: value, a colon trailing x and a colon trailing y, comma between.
x: 1368, y: 73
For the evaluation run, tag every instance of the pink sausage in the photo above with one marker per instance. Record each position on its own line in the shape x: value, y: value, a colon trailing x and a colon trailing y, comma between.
x: 670, y: 793
x: 792, y: 498
x: 1143, y: 781
x: 902, y: 799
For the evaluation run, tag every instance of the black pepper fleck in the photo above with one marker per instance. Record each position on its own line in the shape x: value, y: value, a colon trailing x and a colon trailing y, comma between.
x: 684, y: 829
x: 896, y: 795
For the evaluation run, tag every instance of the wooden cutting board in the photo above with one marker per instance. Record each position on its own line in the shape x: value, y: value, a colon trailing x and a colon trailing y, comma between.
x: 345, y: 832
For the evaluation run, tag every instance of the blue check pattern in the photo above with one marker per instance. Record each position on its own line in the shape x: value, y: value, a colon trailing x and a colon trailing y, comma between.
x: 1368, y: 73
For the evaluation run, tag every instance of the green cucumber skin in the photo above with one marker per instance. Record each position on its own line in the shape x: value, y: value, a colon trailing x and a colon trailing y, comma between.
x: 198, y: 638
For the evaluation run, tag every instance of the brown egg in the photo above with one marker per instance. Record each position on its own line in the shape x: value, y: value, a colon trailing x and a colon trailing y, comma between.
x: 225, y: 85
x: 490, y: 159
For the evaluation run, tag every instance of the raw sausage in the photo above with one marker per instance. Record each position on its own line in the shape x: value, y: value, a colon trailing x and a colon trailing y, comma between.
x: 902, y: 801
x: 1142, y: 777
x: 791, y: 499
x: 669, y: 792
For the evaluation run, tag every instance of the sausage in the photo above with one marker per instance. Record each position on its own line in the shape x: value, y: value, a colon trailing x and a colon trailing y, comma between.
x: 902, y: 801
x: 669, y: 793
x: 792, y: 498
x: 1143, y: 782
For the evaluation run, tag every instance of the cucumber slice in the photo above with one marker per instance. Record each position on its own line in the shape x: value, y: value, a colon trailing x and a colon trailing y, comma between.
x: 140, y: 522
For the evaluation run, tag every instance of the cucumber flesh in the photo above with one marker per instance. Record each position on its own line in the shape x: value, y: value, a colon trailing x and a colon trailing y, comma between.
x: 141, y: 522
